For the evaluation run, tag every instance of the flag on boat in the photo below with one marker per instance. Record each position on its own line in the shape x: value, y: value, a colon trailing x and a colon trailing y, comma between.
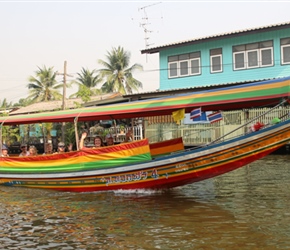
x: 215, y: 117
x: 178, y: 115
x: 195, y: 113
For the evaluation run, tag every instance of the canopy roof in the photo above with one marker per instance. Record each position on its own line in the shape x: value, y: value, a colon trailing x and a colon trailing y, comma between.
x: 258, y: 94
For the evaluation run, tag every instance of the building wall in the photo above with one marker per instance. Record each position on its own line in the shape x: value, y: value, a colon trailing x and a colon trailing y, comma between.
x: 228, y: 75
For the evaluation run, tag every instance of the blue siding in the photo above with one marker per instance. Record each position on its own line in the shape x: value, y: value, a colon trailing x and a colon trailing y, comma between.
x: 228, y: 75
x: 35, y: 131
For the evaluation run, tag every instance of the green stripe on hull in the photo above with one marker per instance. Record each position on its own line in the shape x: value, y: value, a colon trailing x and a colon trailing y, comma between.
x: 104, y: 164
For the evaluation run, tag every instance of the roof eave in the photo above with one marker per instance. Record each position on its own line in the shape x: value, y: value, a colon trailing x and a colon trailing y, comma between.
x: 216, y: 37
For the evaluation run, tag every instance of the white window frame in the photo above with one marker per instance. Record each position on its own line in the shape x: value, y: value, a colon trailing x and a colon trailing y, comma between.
x: 169, y: 71
x: 190, y: 66
x: 212, y: 65
x: 261, y: 60
x: 180, y: 68
x: 259, y: 51
x: 282, y: 54
x: 247, y: 59
x: 240, y: 52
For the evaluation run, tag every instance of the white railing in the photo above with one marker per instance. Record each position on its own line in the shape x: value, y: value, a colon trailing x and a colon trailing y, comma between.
x: 205, y: 133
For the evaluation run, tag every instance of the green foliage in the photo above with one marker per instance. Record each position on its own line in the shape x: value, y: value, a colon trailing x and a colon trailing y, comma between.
x: 23, y: 102
x: 88, y: 78
x: 70, y: 133
x: 10, y: 134
x: 4, y: 104
x: 84, y: 93
x: 87, y: 82
x: 118, y: 74
x: 44, y: 87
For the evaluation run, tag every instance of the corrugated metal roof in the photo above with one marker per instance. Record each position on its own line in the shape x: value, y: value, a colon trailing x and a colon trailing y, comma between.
x: 217, y: 36
x: 57, y: 105
x: 191, y: 89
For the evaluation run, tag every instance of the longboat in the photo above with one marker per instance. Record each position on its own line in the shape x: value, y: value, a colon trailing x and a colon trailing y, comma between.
x: 162, y: 165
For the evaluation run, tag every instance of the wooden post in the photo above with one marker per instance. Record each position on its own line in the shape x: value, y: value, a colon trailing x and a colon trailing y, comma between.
x: 63, y: 101
x: 76, y: 132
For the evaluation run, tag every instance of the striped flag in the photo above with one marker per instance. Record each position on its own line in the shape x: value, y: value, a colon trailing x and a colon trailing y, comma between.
x: 215, y: 117
x: 195, y: 113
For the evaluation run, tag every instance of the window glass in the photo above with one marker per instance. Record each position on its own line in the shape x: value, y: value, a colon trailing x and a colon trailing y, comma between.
x: 194, y: 66
x: 253, y: 59
x: 172, y: 58
x: 266, y: 44
x: 184, y: 68
x: 183, y: 57
x: 184, y: 64
x: 194, y: 55
x: 253, y: 55
x: 252, y: 46
x: 285, y: 41
x: 214, y: 52
x: 216, y: 64
x: 173, y: 69
x: 286, y: 55
x: 266, y: 57
x: 239, y: 48
x: 239, y: 60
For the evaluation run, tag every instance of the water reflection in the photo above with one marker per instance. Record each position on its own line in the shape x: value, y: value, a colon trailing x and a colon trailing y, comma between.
x: 245, y: 209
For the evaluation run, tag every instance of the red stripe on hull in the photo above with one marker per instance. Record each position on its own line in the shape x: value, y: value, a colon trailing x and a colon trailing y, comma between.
x: 176, y: 180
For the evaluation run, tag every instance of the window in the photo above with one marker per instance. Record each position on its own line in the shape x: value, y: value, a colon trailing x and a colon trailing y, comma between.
x: 173, y: 70
x: 253, y: 59
x: 195, y: 63
x: 285, y: 50
x: 184, y: 65
x: 172, y: 65
x: 253, y: 55
x: 216, y: 60
x: 195, y: 66
x: 239, y: 60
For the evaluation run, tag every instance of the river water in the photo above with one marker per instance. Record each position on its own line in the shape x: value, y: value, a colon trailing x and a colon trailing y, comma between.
x: 246, y: 209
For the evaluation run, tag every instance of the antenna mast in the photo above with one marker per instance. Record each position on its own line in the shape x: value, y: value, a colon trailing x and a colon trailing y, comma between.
x: 145, y: 23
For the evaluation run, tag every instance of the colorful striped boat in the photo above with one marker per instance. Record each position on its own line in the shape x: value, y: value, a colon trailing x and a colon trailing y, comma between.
x: 139, y: 165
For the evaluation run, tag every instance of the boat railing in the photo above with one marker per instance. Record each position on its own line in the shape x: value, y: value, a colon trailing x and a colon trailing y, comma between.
x: 234, y: 124
x: 256, y: 119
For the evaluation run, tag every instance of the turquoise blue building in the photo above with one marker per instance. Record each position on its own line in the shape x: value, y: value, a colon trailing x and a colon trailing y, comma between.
x: 239, y: 56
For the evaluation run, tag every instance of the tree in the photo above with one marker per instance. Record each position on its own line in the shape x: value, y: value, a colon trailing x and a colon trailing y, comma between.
x: 4, y: 104
x: 44, y: 87
x: 9, y: 134
x: 118, y: 74
x: 23, y: 102
x: 88, y: 78
x: 87, y: 81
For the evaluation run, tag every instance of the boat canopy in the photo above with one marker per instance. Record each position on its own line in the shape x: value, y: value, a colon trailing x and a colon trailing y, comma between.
x: 257, y: 94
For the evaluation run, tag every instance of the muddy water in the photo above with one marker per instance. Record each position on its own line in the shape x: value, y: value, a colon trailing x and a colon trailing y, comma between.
x: 245, y: 209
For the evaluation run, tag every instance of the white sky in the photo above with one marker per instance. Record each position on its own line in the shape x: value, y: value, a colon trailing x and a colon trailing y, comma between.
x: 38, y: 33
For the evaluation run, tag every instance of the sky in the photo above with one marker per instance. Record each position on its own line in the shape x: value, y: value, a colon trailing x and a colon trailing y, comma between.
x: 48, y: 33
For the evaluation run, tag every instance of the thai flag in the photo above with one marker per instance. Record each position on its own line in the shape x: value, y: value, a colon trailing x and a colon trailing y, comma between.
x: 195, y: 113
x: 215, y: 117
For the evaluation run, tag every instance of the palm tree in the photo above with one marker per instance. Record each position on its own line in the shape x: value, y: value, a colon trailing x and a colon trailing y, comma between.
x: 118, y: 74
x: 44, y: 87
x: 87, y: 81
x: 88, y: 78
x: 4, y: 105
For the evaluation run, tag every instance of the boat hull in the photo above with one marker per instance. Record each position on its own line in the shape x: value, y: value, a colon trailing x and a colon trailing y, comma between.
x: 170, y: 171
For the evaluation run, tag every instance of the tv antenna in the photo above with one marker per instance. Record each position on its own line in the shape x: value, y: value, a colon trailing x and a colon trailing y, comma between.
x: 145, y: 22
